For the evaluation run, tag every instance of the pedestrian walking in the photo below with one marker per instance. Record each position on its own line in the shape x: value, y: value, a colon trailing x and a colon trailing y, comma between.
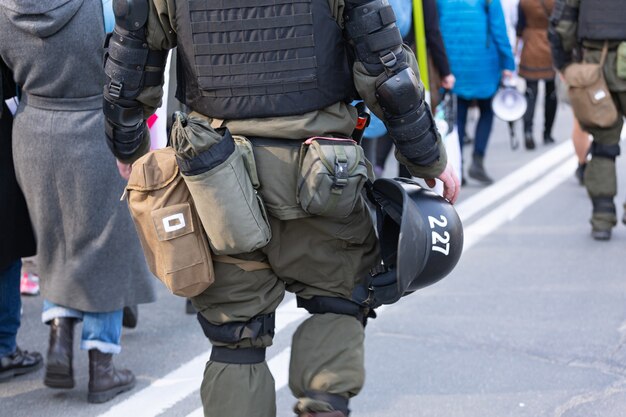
x: 88, y: 255
x: 16, y: 240
x: 276, y: 76
x: 536, y: 66
x: 594, y: 33
x: 475, y: 37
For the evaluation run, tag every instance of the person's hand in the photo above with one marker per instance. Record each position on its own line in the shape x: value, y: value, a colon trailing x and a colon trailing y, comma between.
x: 451, y: 184
x: 448, y: 82
x: 124, y: 169
x: 507, y: 74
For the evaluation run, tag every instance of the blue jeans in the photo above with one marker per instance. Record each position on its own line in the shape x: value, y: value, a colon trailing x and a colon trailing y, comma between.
x: 483, y: 127
x: 101, y: 331
x: 10, y: 306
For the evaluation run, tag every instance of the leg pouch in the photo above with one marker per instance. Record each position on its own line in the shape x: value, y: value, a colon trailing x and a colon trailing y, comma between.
x: 222, y: 181
x: 332, y: 172
x: 621, y: 61
x: 589, y: 94
x: 176, y: 249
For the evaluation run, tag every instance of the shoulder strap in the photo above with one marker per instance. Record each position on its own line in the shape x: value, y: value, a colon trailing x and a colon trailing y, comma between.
x: 246, y: 265
x: 605, y: 49
x: 108, y: 16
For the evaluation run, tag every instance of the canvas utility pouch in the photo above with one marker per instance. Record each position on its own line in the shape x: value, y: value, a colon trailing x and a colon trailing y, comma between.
x: 589, y: 95
x: 332, y: 174
x: 621, y: 61
x: 223, y: 182
x: 174, y: 244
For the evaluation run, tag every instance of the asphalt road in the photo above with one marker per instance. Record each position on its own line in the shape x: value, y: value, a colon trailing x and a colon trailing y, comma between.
x: 531, y: 323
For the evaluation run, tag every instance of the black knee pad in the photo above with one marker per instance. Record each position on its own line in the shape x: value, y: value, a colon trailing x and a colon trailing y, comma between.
x: 239, y: 356
x: 322, y: 305
x: 605, y: 151
x: 233, y: 332
x: 603, y: 205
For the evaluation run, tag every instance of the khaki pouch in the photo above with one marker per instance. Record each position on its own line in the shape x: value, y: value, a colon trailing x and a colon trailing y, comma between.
x: 621, y: 60
x: 589, y: 95
x: 223, y: 181
x: 175, y: 247
x: 332, y: 174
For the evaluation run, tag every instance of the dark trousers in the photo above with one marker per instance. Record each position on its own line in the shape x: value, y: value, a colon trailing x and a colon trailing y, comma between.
x: 532, y: 88
x: 10, y: 305
x: 483, y: 128
x: 383, y: 147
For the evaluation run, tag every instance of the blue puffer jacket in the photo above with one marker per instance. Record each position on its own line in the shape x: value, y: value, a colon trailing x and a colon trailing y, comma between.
x: 474, y: 33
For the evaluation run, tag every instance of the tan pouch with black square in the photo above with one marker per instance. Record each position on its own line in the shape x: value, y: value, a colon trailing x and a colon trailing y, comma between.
x: 172, y: 238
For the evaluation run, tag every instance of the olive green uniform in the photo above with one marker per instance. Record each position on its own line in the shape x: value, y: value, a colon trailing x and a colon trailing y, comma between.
x: 600, y: 175
x: 309, y: 256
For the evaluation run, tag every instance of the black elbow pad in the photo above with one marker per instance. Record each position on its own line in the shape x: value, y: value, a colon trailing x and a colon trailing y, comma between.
x: 408, y: 118
x: 124, y: 126
x: 415, y: 135
x: 125, y: 143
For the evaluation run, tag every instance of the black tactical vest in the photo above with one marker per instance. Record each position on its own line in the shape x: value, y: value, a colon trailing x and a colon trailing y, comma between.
x: 602, y: 20
x: 240, y: 59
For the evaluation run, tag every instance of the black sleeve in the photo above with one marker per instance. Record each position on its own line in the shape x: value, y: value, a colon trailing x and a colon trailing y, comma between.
x: 434, y: 41
x: 521, y: 21
x: 7, y: 85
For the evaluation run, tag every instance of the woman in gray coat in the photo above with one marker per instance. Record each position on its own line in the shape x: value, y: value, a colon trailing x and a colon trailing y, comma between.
x: 90, y: 260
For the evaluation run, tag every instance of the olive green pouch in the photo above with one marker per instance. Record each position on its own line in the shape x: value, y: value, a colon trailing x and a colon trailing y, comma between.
x: 223, y: 182
x: 332, y: 174
x: 621, y: 61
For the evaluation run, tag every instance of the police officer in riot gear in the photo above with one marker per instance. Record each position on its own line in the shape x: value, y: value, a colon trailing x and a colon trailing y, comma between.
x: 580, y: 29
x: 279, y: 72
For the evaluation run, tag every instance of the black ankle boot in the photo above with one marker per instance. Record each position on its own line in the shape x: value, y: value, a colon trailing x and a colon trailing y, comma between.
x: 477, y: 170
x: 580, y: 173
x: 105, y: 382
x: 59, y: 371
x: 529, y: 142
x: 19, y: 362
x: 130, y: 316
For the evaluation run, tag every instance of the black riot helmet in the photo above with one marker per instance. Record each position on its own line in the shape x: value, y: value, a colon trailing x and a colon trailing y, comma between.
x: 420, y: 234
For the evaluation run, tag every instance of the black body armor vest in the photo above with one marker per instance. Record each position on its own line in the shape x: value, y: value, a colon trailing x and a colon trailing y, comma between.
x: 602, y: 20
x: 244, y: 59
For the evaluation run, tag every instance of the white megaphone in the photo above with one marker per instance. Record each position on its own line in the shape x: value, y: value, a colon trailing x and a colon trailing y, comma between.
x: 508, y: 103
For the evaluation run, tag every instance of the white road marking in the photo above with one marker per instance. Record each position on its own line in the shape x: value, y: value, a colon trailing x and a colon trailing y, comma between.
x: 523, y: 176
x: 516, y: 204
x: 165, y: 392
